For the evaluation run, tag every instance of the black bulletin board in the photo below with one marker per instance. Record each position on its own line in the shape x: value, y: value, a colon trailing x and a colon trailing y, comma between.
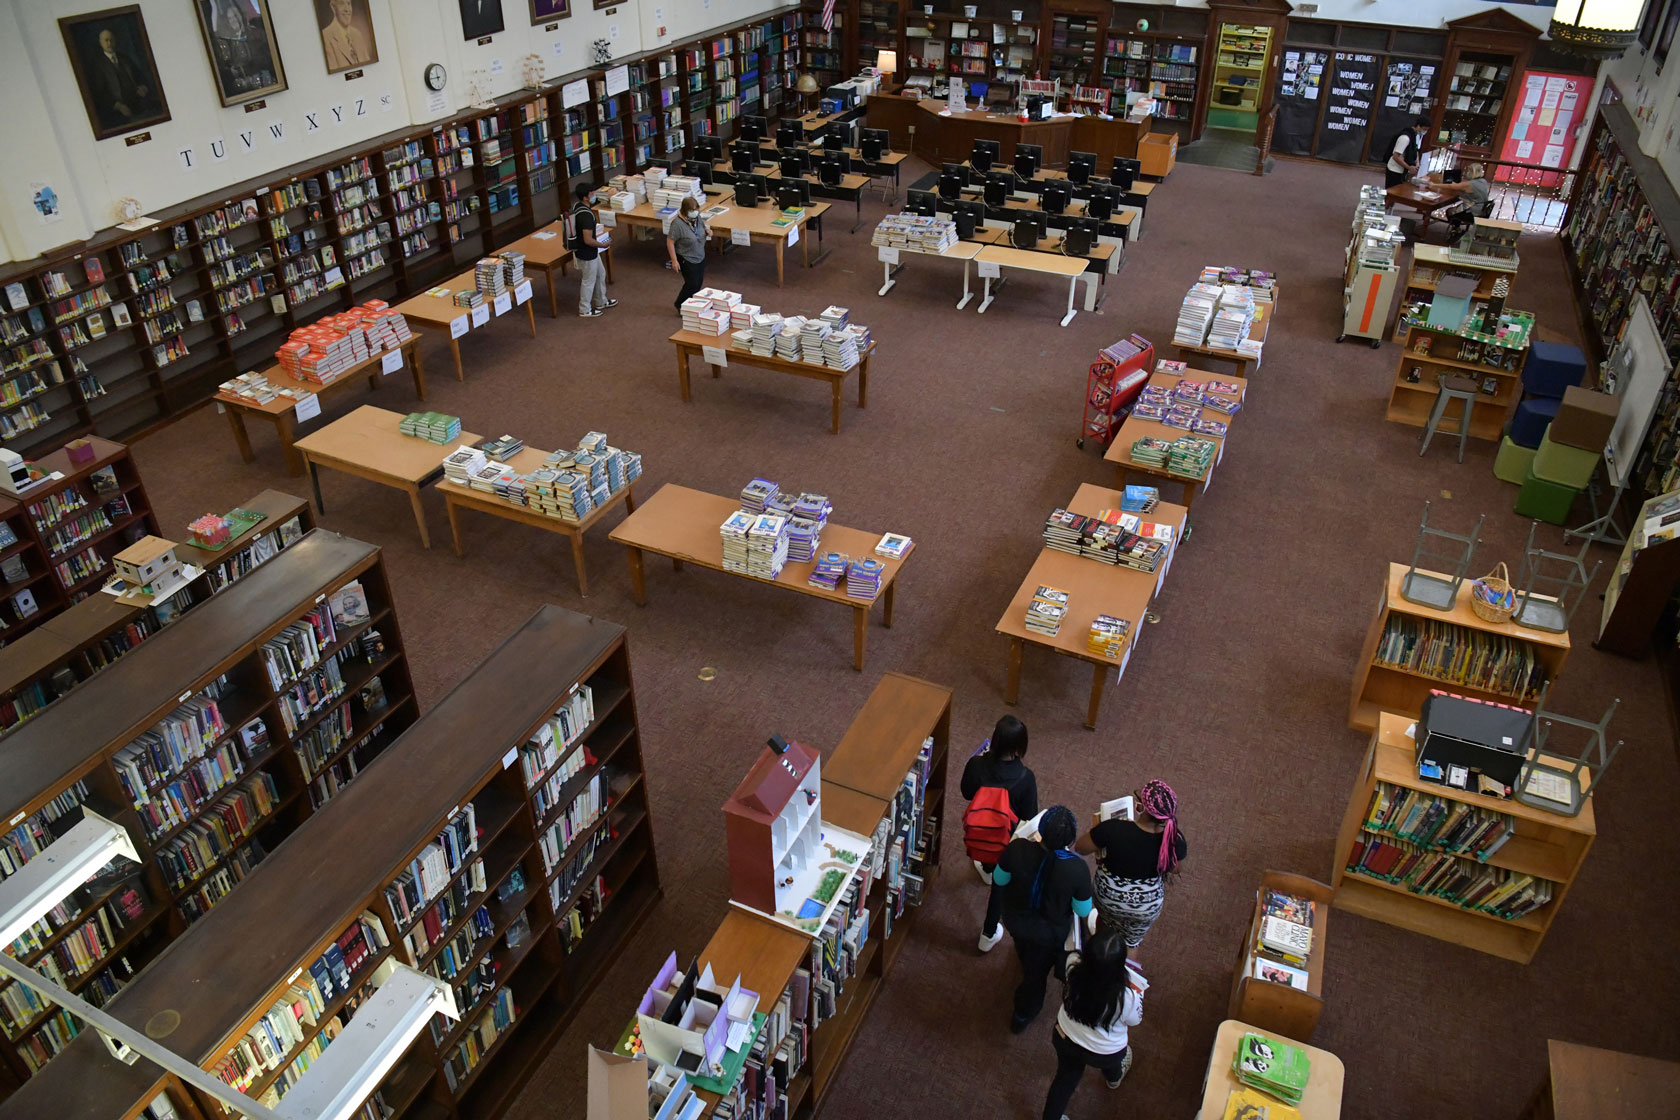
x: 1302, y: 79
x: 1350, y: 100
x: 1410, y: 83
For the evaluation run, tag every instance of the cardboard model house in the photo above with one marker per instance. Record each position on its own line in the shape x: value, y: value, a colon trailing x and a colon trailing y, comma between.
x: 773, y: 822
x: 147, y: 561
x: 686, y: 1021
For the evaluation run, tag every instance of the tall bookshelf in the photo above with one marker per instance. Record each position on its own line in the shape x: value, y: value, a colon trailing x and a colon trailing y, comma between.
x: 1240, y: 56
x: 229, y: 783
x: 1430, y: 886
x: 1389, y: 678
x: 1073, y: 48
x: 570, y: 904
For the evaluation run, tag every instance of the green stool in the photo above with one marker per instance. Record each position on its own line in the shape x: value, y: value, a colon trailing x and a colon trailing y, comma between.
x: 1548, y: 501
x: 1564, y: 465
x: 1513, y: 462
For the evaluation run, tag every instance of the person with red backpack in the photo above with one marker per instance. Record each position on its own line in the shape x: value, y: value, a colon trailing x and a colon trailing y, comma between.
x: 1001, y: 792
x: 1045, y: 888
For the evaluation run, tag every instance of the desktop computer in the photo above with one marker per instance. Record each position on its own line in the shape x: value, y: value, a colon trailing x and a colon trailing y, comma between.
x: 742, y: 158
x: 999, y: 186
x: 951, y: 184
x: 983, y: 155
x: 795, y: 164
x: 1054, y: 198
x: 1080, y: 237
x: 1124, y: 172
x: 876, y: 143
x: 1081, y: 166
x: 708, y: 149
x: 970, y: 217
x: 789, y: 134
x: 754, y: 129
x: 1028, y: 159
x: 923, y: 203
x: 793, y: 193
x: 1027, y: 231
x: 1101, y: 203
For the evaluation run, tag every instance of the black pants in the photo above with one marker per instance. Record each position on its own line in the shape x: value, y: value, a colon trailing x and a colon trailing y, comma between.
x: 1394, y: 178
x: 694, y: 278
x: 994, y: 906
x: 1071, y: 1060
x: 1037, y: 959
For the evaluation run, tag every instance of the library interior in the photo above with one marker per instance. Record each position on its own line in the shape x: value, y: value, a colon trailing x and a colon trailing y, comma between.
x: 383, y: 838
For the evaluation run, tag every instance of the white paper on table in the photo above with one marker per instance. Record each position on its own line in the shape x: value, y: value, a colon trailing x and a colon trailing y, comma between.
x: 715, y: 355
x: 989, y: 268
x: 545, y: 235
x: 523, y: 292
x: 481, y: 315
x: 793, y: 235
x: 308, y: 407
x: 737, y: 1036
x: 740, y: 237
x: 888, y: 253
x: 458, y: 326
x: 391, y: 362
x: 503, y: 303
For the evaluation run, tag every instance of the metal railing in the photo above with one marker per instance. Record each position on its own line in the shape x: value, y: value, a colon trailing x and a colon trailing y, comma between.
x: 1538, y: 197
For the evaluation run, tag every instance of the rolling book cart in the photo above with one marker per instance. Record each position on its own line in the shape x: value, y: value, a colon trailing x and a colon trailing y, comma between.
x: 1113, y: 382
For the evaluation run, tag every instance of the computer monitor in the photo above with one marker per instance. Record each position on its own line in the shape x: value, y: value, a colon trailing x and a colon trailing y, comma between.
x: 833, y: 168
x: 793, y: 192
x: 983, y: 155
x: 703, y: 172
x: 754, y: 129
x: 1101, y: 203
x: 841, y: 158
x: 742, y: 158
x: 924, y: 203
x: 789, y: 134
x: 1025, y: 233
x: 951, y: 184
x: 1080, y: 237
x: 1037, y: 108
x: 949, y: 168
x: 1124, y: 172
x: 750, y: 190
x: 1054, y: 198
x: 970, y: 217
x: 1028, y: 159
x: 708, y: 149
x: 1081, y: 166
x: 876, y: 143
x: 999, y: 186
x: 795, y: 163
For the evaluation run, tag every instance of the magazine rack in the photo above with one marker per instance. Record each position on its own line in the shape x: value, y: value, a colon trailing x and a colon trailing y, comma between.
x: 1280, y: 1007
x: 1111, y: 386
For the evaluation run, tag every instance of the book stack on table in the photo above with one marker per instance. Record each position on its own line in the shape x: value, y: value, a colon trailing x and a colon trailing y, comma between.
x: 1195, y: 314
x: 863, y: 578
x: 1108, y: 636
x: 1151, y: 452
x: 487, y: 276
x: 1190, y: 456
x: 1272, y: 1066
x: 699, y: 316
x: 468, y: 298
x: 766, y: 546
x: 765, y: 327
x: 461, y: 464
x: 915, y: 233
x: 434, y: 426
x: 1045, y: 612
x: 513, y: 267
x: 503, y: 447
x: 830, y: 570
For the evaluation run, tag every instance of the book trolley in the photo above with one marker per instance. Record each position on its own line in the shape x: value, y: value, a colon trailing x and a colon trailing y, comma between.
x: 1112, y: 383
x: 1280, y: 1007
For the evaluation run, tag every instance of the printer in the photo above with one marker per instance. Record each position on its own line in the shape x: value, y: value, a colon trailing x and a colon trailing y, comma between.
x: 1459, y: 739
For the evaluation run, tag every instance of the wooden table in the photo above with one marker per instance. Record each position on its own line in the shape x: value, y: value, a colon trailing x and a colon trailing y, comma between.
x: 1093, y: 588
x: 1322, y: 1100
x: 1028, y: 260
x: 1587, y: 1083
x: 683, y: 524
x: 439, y: 312
x: 850, y: 189
x: 1136, y: 427
x: 692, y: 344
x: 892, y: 260
x: 366, y: 443
x: 282, y: 411
x: 1427, y: 202
x: 457, y: 497
x: 1263, y: 313
x: 545, y: 252
x: 759, y: 224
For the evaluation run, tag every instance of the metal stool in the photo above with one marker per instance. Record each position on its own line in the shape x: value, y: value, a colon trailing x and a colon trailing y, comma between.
x: 1452, y: 389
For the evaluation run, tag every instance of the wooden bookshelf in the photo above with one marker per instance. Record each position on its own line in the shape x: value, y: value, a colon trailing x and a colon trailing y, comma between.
x: 1276, y: 1007
x: 1381, y: 688
x: 1432, y: 262
x: 1544, y: 845
x: 63, y: 652
x: 65, y: 758
x: 1500, y: 382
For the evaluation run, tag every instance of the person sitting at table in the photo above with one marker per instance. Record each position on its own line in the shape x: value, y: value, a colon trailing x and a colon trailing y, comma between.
x: 1472, y: 194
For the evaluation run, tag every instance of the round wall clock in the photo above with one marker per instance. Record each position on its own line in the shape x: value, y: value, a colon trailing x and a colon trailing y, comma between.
x: 436, y: 76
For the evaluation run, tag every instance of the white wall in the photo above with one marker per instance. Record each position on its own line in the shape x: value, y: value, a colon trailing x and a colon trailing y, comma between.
x: 1409, y: 13
x: 205, y: 147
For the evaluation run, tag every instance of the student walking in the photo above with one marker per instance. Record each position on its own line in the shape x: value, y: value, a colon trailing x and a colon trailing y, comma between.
x: 1102, y: 1001
x: 1001, y: 792
x: 1045, y: 887
x: 1134, y: 860
x: 586, y: 245
x: 685, y: 240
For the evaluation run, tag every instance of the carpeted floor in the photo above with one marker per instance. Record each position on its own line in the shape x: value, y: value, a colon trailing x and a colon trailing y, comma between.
x: 1238, y: 698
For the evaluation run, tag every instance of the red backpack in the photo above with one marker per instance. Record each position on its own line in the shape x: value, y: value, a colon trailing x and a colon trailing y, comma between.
x: 988, y: 824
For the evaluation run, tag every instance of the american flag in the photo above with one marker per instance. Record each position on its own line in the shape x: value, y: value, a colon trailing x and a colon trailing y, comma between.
x: 828, y: 15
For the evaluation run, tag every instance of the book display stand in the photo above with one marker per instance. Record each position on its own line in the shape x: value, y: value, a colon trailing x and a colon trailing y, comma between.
x: 1426, y: 588
x: 1272, y: 998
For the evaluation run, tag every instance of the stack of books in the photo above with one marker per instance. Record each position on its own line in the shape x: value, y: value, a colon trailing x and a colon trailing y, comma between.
x: 1195, y: 314
x: 1125, y: 350
x: 830, y: 569
x: 621, y: 201
x: 863, y: 578
x: 836, y: 317
x: 561, y: 493
x: 434, y: 426
x: 1190, y: 456
x: 1108, y: 636
x: 915, y: 233
x: 461, y: 464
x: 487, y: 277
x: 468, y: 299
x: 813, y: 334
x: 844, y: 347
x: 1063, y: 530
x: 510, y: 487
x: 734, y: 530
x: 484, y: 478
x: 513, y: 267
x: 1151, y: 452
x: 787, y: 339
x: 1139, y: 499
x: 757, y: 495
x: 1236, y: 312
x: 721, y: 299
x: 700, y: 316
x: 1181, y: 415
x: 804, y: 537
x: 633, y: 185
x: 1139, y: 552
x: 672, y: 189
x: 1273, y: 1066
x: 503, y: 447
x: 1046, y: 610
x: 767, y: 546
x: 765, y: 327
x: 741, y: 316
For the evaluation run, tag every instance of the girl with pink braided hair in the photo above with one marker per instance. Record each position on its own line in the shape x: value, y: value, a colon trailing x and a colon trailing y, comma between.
x: 1134, y: 860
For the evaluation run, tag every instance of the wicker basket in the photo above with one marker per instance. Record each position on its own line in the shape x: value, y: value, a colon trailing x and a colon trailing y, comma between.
x: 1492, y: 598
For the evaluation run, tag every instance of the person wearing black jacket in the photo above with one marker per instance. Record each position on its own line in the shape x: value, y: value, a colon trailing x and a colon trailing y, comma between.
x: 998, y: 763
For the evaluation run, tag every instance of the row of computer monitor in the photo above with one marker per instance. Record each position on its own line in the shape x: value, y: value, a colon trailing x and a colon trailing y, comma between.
x: 1029, y: 160
x: 1054, y: 197
x: 1028, y: 227
x: 873, y: 143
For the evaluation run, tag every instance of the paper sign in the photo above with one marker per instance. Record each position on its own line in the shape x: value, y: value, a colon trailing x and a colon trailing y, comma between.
x: 618, y: 80
x: 496, y: 66
x: 391, y: 362
x: 573, y: 94
x: 481, y: 315
x: 308, y: 407
x: 715, y: 355
x: 511, y: 757
x: 989, y: 268
x: 523, y: 292
x: 609, y: 220
x: 458, y: 327
x: 888, y: 253
x: 740, y: 237
x: 502, y: 303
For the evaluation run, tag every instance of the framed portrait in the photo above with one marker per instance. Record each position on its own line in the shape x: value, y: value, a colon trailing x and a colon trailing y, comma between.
x: 112, y: 59
x: 543, y: 11
x: 243, y: 54
x: 480, y: 18
x: 346, y: 34
x: 1665, y: 37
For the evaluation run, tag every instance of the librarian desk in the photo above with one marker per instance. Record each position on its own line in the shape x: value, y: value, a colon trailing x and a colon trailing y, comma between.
x: 435, y: 309
x: 457, y: 497
x: 1587, y: 1083
x: 1093, y: 588
x: 367, y: 444
x: 545, y: 252
x: 1321, y: 1101
x: 683, y: 524
x: 282, y: 412
x: 1136, y: 427
x: 1263, y: 313
x: 693, y: 344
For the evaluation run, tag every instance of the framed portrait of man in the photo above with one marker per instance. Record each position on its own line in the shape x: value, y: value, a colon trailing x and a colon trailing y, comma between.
x: 346, y: 34
x: 243, y: 54
x: 112, y: 59
x: 548, y: 10
x: 481, y: 17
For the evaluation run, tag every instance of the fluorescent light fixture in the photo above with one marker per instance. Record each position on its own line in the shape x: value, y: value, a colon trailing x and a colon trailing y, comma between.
x: 54, y: 875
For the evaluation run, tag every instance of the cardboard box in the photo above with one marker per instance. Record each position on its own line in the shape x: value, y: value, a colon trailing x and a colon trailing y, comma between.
x: 1585, y: 419
x: 1157, y: 153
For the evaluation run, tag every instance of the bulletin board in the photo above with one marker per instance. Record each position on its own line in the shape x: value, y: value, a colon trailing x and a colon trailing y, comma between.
x: 1407, y: 93
x: 1348, y: 108
x: 1301, y: 79
x: 1550, y: 108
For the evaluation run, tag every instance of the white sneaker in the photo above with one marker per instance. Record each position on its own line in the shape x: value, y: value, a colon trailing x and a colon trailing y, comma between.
x: 980, y: 869
x: 987, y: 944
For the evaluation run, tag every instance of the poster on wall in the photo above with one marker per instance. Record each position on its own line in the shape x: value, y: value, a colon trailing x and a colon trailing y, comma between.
x: 118, y: 78
x: 244, y: 58
x: 1408, y: 92
x: 346, y: 34
x: 480, y: 18
x: 1349, y: 102
x: 1300, y: 83
x: 1542, y: 129
x: 549, y: 9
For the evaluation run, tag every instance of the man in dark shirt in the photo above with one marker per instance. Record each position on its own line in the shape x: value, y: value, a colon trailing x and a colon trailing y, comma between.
x: 586, y: 251
x: 997, y: 764
x: 1045, y: 887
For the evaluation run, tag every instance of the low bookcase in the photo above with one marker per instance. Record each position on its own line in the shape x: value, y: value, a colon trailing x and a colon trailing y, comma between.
x: 1541, y: 845
x: 1398, y: 664
x: 1277, y: 1007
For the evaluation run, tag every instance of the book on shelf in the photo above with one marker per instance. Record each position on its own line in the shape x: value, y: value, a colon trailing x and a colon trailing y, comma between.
x: 1290, y: 940
x: 1276, y: 972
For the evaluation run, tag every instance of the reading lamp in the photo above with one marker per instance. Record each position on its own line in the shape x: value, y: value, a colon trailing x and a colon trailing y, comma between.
x: 334, y: 1085
x: 806, y: 87
x: 887, y: 63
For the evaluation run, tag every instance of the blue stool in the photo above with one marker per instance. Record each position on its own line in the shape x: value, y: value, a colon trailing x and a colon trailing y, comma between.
x: 1534, y: 415
x: 1551, y: 368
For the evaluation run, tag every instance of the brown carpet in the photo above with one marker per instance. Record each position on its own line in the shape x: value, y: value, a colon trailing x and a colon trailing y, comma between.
x: 1238, y: 698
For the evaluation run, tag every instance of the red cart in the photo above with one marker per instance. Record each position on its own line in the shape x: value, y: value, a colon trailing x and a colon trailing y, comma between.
x: 1115, y: 379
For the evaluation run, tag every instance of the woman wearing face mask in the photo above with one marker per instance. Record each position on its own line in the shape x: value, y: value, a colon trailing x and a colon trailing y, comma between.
x: 685, y: 239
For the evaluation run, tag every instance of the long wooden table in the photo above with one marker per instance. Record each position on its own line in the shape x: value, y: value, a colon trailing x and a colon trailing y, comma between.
x: 1029, y: 260
x: 545, y: 252
x: 1136, y: 427
x: 892, y: 261
x: 439, y: 313
x: 1093, y: 588
x: 282, y: 411
x: 457, y: 497
x: 683, y: 524
x: 757, y: 221
x: 693, y: 344
x: 367, y: 444
x: 1426, y: 201
x: 1263, y: 314
x: 1321, y: 1101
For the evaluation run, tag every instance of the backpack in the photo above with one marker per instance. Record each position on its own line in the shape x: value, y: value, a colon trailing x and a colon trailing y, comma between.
x: 572, y: 240
x: 988, y: 824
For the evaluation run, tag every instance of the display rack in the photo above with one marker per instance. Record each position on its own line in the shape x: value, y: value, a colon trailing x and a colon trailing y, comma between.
x: 1431, y: 263
x: 1369, y: 270
x: 1430, y: 352
x: 1541, y: 846
x: 1239, y: 71
x: 1281, y: 1007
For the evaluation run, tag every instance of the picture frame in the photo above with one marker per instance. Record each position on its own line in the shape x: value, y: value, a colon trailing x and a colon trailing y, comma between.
x: 244, y: 56
x: 347, y: 37
x: 546, y: 11
x: 481, y: 18
x: 118, y: 79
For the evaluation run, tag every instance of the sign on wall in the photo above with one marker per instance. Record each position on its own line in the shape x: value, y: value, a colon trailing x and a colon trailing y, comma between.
x: 1349, y: 105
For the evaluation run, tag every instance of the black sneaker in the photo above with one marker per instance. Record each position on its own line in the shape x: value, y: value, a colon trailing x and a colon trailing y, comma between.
x: 609, y: 303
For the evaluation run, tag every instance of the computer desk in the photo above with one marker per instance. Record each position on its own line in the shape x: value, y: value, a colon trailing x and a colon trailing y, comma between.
x: 1135, y: 200
x: 850, y: 189
x: 888, y: 164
